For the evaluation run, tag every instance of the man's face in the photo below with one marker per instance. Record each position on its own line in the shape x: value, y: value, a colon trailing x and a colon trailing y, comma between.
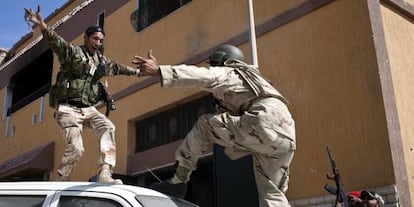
x: 370, y: 203
x: 94, y: 42
x: 354, y: 201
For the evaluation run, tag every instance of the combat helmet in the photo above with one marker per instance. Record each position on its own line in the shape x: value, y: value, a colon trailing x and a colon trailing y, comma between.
x: 225, y: 52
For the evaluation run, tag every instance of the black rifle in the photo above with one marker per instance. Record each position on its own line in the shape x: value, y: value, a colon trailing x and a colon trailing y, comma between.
x: 106, y: 96
x: 339, y: 190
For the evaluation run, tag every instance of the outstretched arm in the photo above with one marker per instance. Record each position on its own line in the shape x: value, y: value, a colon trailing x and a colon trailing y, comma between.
x: 35, y: 18
x: 59, y: 46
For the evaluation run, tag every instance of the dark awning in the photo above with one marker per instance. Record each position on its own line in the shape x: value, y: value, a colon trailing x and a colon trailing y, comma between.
x: 38, y: 160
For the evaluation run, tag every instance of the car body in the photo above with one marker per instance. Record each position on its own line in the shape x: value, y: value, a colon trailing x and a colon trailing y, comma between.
x: 85, y: 194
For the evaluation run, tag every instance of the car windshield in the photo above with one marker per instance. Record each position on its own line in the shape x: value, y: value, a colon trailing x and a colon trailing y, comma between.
x: 21, y: 201
x: 148, y: 201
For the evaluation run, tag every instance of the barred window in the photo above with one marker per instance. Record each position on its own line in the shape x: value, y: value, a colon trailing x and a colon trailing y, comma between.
x: 150, y: 11
x: 31, y: 83
x: 170, y: 125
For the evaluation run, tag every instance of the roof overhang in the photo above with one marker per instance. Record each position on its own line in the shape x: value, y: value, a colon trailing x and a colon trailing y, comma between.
x: 38, y: 160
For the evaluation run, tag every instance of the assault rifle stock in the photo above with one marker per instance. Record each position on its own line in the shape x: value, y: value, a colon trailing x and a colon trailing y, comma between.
x: 107, y: 98
x: 339, y: 190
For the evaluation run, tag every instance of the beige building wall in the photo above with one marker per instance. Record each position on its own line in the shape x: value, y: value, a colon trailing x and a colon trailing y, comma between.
x: 399, y: 37
x: 325, y: 64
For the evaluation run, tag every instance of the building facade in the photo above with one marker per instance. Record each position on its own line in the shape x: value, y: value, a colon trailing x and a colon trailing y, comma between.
x: 344, y: 65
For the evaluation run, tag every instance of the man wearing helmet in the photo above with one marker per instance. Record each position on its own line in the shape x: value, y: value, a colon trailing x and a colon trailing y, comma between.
x: 253, y: 118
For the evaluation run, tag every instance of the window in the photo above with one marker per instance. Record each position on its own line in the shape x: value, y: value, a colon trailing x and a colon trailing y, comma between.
x: 150, y: 11
x: 159, y: 201
x: 170, y: 125
x: 77, y: 201
x: 34, y: 119
x: 21, y: 200
x: 42, y: 108
x: 8, y: 126
x: 101, y: 20
x: 31, y: 83
x: 7, y: 101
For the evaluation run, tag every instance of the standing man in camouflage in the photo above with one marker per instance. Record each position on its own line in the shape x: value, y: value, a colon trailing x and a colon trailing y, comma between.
x: 253, y: 118
x: 77, y: 91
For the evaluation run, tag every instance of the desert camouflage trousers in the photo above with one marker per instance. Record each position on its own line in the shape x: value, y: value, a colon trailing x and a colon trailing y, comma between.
x: 71, y: 120
x: 272, y: 152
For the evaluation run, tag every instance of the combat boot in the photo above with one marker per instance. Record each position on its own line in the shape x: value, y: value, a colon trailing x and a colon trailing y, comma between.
x: 105, y: 175
x: 176, y: 186
x: 182, y: 175
x: 61, y: 176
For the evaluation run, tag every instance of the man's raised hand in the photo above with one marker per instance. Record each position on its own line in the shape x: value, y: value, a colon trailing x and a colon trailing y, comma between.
x: 148, y: 66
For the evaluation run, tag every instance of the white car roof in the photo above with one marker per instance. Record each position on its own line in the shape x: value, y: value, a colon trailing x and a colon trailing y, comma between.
x: 79, y: 186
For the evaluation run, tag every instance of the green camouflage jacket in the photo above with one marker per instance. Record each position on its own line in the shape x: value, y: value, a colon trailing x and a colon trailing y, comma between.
x: 80, y: 72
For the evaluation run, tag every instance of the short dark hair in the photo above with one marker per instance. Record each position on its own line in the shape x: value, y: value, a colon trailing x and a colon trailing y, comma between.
x: 93, y: 29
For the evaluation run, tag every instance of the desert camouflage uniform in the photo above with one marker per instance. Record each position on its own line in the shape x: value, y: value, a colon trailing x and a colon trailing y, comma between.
x: 256, y: 121
x: 75, y: 61
x: 71, y: 120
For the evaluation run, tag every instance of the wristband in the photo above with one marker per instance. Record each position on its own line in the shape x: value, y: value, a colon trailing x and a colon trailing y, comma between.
x: 138, y: 73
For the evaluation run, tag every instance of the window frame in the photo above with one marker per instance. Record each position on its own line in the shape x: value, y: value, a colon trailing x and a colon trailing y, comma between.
x: 48, y: 194
x: 186, y: 114
x: 144, y: 17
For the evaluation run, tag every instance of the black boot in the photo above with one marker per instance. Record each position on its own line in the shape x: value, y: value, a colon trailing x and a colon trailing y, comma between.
x: 178, y: 190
